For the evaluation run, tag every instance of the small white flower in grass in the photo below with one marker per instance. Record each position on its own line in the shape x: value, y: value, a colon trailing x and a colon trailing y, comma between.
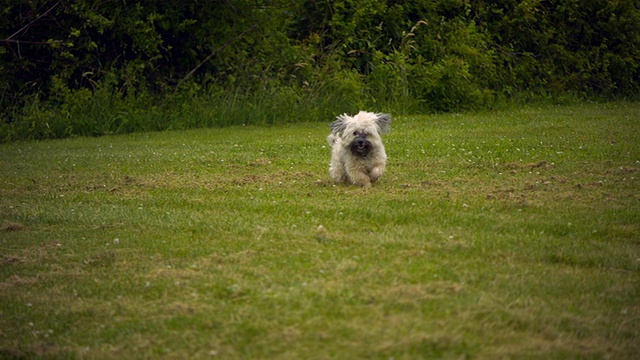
x: 116, y: 241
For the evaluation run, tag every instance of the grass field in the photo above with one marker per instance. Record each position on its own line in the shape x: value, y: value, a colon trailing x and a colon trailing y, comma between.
x: 505, y: 234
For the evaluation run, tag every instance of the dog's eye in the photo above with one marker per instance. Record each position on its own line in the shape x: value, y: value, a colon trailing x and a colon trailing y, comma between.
x: 355, y: 133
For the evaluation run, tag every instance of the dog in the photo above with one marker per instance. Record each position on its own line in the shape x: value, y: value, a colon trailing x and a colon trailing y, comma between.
x: 357, y: 152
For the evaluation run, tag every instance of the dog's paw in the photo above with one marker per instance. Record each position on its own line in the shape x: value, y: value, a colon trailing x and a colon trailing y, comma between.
x: 376, y: 173
x: 360, y: 179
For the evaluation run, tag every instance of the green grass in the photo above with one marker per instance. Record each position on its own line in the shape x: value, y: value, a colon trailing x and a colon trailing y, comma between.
x: 507, y: 234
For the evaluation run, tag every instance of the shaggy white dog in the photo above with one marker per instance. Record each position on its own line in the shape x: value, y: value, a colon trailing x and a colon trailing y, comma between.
x: 357, y: 152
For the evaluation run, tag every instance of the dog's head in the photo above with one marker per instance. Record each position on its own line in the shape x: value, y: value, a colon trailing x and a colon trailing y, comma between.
x: 361, y: 133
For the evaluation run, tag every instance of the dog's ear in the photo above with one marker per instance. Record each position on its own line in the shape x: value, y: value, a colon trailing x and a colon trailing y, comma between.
x: 384, y: 122
x: 338, y: 126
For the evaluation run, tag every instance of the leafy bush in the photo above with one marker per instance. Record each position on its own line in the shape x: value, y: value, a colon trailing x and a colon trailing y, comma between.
x: 84, y: 68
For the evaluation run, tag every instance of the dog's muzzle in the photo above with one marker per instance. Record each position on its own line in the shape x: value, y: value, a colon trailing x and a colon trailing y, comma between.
x: 360, y: 146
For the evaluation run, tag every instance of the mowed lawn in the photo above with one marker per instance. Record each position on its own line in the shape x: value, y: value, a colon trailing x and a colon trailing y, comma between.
x: 500, y: 234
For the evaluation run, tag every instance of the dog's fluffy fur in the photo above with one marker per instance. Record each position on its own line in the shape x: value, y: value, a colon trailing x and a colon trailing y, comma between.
x: 357, y: 152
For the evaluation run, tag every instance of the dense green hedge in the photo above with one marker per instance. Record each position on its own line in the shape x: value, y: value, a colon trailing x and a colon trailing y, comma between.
x: 93, y: 67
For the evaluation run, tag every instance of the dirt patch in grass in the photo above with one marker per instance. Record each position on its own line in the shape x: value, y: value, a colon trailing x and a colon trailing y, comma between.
x: 17, y: 281
x: 416, y: 293
x: 9, y: 260
x: 9, y: 226
x: 514, y: 167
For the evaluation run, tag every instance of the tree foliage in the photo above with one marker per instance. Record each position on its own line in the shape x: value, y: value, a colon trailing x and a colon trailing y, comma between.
x: 59, y: 58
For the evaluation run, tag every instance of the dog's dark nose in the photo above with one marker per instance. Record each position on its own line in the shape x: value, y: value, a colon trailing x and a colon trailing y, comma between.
x: 360, y: 142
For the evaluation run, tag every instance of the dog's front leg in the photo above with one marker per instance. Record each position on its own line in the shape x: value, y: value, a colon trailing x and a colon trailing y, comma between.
x: 337, y: 173
x: 376, y: 173
x: 360, y: 178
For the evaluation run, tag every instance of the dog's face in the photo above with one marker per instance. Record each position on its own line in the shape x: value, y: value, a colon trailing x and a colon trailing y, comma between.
x: 360, y: 145
x: 361, y: 133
